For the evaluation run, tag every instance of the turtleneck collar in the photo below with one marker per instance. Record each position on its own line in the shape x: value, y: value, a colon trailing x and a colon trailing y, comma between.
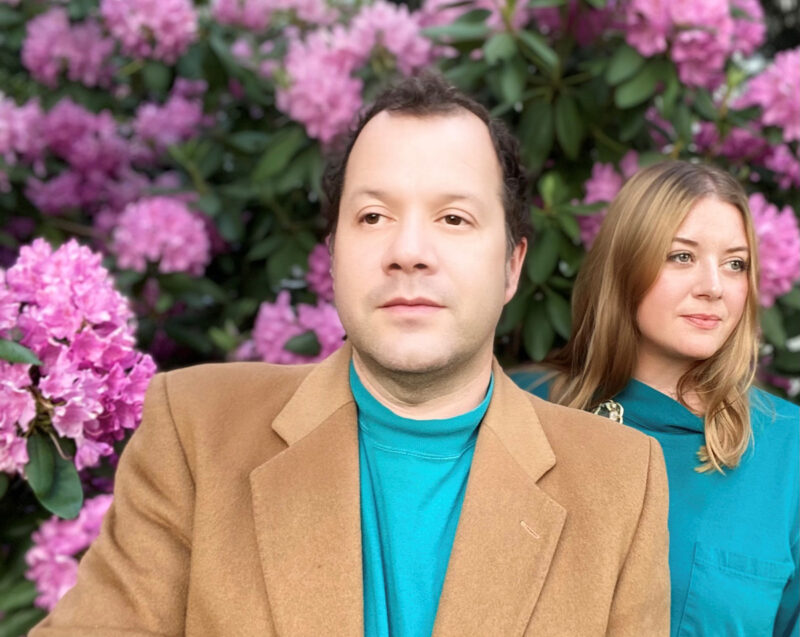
x: 441, y: 438
x: 650, y: 409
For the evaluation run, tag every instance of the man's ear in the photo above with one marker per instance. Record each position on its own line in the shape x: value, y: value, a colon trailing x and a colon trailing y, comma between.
x: 514, y: 268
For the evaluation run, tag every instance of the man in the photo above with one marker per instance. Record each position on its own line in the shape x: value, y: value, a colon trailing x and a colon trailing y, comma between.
x: 404, y: 486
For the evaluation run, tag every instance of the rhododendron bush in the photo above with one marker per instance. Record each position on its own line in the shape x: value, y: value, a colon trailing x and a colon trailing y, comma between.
x: 160, y: 167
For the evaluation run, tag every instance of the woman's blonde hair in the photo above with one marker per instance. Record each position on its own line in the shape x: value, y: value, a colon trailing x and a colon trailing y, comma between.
x: 624, y: 262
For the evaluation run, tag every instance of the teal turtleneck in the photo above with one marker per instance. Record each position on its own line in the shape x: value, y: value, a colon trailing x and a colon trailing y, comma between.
x: 413, y: 477
x: 733, y: 537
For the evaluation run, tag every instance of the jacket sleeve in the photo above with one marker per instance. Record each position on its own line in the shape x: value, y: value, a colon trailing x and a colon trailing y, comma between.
x: 133, y: 579
x: 641, y: 603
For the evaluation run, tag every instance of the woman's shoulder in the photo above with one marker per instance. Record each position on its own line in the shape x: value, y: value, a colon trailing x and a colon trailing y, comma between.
x: 775, y: 417
x: 535, y: 379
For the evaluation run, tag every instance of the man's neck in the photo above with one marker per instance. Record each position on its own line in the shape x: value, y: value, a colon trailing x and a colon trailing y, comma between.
x: 426, y: 396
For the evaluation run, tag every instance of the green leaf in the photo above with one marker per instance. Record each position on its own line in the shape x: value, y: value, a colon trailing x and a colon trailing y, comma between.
x: 263, y: 249
x: 512, y: 82
x: 569, y: 125
x: 569, y: 224
x: 15, y: 353
x: 458, y: 32
x: 683, y: 122
x: 209, y: 204
x: 545, y: 4
x: 20, y: 622
x: 543, y: 255
x: 772, y: 325
x: 41, y: 466
x: 10, y: 17
x: 248, y: 141
x: 559, y: 313
x: 597, y: 4
x: 501, y: 46
x: 280, y: 264
x: 305, y: 344
x: 791, y: 299
x: 536, y: 131
x: 704, y: 105
x: 639, y: 88
x: 538, y: 46
x: 64, y: 495
x: 4, y: 482
x: 17, y: 596
x: 156, y: 77
x: 283, y: 147
x: 537, y: 333
x: 553, y: 188
x: 624, y: 63
x: 513, y: 312
x: 585, y: 209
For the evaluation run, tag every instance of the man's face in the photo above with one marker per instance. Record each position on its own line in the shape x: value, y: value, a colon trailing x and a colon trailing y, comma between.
x: 420, y: 265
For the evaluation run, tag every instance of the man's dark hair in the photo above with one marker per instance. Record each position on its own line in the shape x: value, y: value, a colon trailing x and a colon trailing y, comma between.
x: 426, y: 95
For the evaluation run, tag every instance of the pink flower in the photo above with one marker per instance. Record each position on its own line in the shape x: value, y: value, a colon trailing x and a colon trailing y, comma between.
x: 393, y: 28
x: 161, y: 230
x: 778, y: 237
x: 249, y: 14
x: 53, y: 45
x: 602, y: 187
x: 21, y: 131
x: 322, y: 94
x: 277, y: 323
x: 749, y: 29
x: 178, y: 120
x: 702, y: 40
x: 91, y: 382
x: 57, y: 195
x: 157, y: 29
x: 775, y: 90
x: 785, y: 164
x: 319, y: 272
x: 52, y: 562
x: 648, y: 24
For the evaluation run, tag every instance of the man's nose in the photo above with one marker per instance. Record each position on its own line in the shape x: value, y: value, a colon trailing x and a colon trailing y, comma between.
x: 709, y: 280
x: 411, y: 247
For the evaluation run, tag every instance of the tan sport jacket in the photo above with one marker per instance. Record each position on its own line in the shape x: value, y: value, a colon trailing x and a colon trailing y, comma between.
x: 236, y: 512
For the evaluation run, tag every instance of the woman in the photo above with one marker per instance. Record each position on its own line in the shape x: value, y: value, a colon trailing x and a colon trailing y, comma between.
x: 665, y: 328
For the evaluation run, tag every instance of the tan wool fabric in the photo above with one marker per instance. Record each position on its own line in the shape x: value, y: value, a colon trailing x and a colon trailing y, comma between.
x: 236, y: 512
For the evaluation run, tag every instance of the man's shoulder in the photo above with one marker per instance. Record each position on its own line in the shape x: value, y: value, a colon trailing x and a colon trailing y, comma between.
x: 587, y: 444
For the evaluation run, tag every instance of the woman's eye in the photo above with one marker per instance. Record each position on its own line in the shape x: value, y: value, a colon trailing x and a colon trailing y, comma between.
x: 453, y: 220
x: 371, y: 218
x: 738, y: 265
x: 681, y: 257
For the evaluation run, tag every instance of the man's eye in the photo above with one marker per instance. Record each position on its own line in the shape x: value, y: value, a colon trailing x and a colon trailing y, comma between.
x: 371, y: 218
x: 453, y: 220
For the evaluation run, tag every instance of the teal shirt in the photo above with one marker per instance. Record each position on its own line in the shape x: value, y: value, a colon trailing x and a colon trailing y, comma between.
x: 413, y: 478
x: 734, y: 537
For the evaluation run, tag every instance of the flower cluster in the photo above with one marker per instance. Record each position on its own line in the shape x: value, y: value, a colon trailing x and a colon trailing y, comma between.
x: 161, y: 230
x: 319, y: 272
x: 602, y: 187
x: 775, y: 90
x: 156, y: 29
x: 700, y: 36
x: 91, y: 383
x: 52, y: 560
x: 256, y: 15
x: 53, y: 44
x: 278, y: 322
x: 778, y: 237
x: 20, y: 135
x: 323, y: 94
x: 159, y: 126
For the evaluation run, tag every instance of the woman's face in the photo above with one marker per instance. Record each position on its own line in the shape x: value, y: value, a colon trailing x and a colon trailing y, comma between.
x: 700, y: 292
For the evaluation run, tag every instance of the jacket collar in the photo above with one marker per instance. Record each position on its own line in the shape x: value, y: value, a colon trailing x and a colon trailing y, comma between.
x: 306, y: 503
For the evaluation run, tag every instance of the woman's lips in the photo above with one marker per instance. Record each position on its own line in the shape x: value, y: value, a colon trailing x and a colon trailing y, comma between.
x: 703, y: 321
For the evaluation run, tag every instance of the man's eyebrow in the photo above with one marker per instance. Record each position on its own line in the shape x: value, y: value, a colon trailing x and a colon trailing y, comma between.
x: 689, y: 242
x: 439, y: 199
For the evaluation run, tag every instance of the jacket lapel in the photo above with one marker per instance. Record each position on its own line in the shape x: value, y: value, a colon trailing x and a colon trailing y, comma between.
x: 509, y: 528
x: 306, y: 507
